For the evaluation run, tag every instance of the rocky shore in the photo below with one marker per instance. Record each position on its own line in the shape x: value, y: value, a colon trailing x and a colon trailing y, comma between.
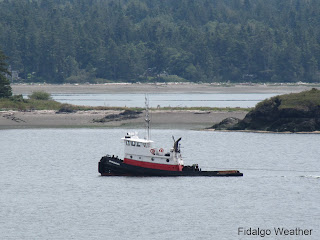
x: 296, y: 112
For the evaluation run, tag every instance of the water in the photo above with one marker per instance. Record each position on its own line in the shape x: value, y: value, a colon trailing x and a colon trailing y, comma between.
x: 50, y: 187
x: 164, y: 100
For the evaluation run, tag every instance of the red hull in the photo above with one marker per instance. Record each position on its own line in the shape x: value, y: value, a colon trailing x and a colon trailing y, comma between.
x: 157, y: 166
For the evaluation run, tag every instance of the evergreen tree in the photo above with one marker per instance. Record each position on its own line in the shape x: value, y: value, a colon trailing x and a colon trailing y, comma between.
x: 137, y: 40
x: 5, y: 88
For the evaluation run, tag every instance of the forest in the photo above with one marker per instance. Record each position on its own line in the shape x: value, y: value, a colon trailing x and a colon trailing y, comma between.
x: 97, y: 41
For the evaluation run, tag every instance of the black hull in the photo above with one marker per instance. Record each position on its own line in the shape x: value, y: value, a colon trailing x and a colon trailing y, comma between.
x: 113, y: 166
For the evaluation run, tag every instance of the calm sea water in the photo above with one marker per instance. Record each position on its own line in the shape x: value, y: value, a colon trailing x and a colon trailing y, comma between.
x: 50, y: 187
x: 165, y: 100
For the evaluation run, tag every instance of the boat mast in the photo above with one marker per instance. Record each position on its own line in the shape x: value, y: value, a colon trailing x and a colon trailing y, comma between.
x: 147, y: 118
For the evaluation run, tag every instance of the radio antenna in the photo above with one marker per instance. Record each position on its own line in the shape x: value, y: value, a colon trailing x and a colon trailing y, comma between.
x: 147, y: 117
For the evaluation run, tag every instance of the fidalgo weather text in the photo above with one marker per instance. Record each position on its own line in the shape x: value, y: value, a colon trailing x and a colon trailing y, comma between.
x: 276, y: 231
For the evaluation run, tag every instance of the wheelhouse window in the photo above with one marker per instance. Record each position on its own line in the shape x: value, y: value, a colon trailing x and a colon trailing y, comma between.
x: 133, y: 143
x: 138, y: 144
x: 127, y: 142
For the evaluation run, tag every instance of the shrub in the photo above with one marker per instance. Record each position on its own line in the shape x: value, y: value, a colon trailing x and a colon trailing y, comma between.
x: 40, y: 95
x: 17, y: 98
x: 66, y: 108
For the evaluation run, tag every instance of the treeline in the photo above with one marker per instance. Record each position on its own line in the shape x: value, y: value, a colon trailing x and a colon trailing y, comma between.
x: 61, y: 41
x: 5, y: 88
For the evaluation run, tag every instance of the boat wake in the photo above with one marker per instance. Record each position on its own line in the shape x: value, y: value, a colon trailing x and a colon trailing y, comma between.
x: 310, y: 176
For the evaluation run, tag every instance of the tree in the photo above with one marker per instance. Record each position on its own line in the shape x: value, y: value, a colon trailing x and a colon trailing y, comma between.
x: 5, y: 88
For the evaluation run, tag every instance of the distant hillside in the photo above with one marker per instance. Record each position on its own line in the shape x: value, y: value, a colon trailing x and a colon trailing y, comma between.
x: 295, y: 112
x: 61, y: 41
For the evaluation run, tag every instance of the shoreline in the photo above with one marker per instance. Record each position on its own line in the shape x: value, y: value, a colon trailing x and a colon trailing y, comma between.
x: 179, y: 119
x: 112, y: 88
x: 261, y: 131
x: 172, y: 119
x: 161, y: 119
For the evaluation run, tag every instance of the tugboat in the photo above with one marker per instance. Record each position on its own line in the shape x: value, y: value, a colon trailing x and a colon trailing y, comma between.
x: 141, y: 158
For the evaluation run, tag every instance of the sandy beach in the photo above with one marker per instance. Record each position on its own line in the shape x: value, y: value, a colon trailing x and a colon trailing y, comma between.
x: 159, y: 88
x: 160, y: 119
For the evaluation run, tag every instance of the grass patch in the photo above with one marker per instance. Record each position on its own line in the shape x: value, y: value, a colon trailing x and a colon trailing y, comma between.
x: 303, y: 100
x: 29, y: 104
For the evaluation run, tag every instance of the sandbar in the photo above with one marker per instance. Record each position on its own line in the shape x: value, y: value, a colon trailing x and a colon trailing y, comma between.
x: 159, y: 119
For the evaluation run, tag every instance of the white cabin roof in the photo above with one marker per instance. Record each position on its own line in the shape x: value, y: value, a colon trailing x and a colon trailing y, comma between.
x: 134, y: 137
x: 138, y: 140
